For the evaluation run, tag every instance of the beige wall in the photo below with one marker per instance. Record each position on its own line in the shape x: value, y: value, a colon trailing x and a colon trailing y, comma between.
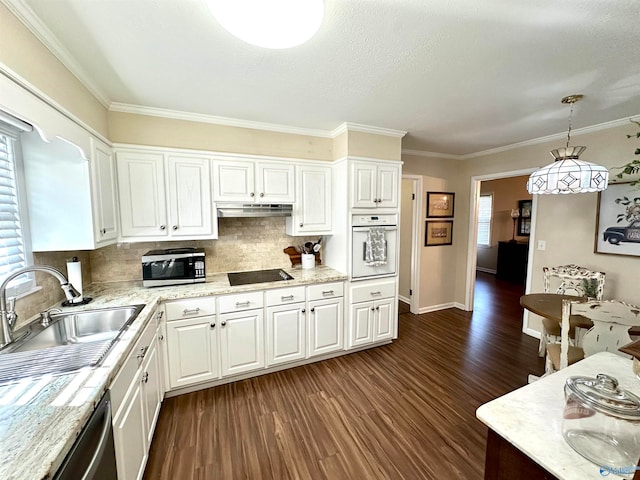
x: 565, y: 222
x: 167, y: 132
x: 374, y: 146
x: 437, y: 263
x: 506, y: 194
x: 22, y: 53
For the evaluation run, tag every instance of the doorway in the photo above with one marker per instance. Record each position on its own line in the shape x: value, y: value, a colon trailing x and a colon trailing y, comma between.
x: 485, y: 258
x: 409, y: 266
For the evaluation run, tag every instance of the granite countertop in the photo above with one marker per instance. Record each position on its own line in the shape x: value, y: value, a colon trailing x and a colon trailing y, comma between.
x: 41, y: 417
x: 530, y: 418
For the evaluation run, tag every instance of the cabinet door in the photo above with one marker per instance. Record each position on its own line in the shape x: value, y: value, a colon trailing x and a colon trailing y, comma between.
x: 285, y: 333
x: 387, y: 187
x: 129, y: 438
x: 242, y: 341
x: 361, y: 324
x: 142, y: 194
x: 151, y: 388
x: 189, y: 196
x: 325, y: 326
x: 274, y: 183
x: 192, y: 351
x: 313, y: 208
x: 233, y: 181
x: 384, y: 324
x: 104, y: 194
x: 363, y: 185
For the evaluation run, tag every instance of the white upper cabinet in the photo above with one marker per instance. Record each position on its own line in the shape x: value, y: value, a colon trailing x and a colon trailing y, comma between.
x: 142, y: 194
x: 164, y: 196
x: 190, y: 206
x: 246, y: 181
x: 312, y: 210
x: 72, y: 200
x: 374, y: 184
x: 104, y: 193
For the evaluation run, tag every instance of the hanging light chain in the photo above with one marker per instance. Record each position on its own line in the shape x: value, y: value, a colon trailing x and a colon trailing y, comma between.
x: 571, y: 99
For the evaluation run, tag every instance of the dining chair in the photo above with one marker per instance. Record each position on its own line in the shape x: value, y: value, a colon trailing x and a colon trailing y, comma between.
x: 611, y: 319
x: 567, y: 280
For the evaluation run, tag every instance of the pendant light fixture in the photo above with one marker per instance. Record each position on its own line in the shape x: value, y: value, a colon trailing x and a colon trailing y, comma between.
x: 568, y: 174
x: 269, y: 23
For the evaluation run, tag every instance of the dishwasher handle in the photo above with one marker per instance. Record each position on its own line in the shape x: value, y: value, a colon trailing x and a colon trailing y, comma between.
x: 105, y: 437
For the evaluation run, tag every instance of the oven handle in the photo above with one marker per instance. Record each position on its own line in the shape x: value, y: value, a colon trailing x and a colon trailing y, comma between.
x: 392, y: 228
x: 104, y: 438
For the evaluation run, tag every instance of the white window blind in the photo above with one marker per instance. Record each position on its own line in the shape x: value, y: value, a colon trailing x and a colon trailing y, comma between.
x: 12, y: 246
x: 485, y: 211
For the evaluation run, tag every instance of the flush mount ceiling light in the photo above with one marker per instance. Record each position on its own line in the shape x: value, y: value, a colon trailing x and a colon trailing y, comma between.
x: 269, y: 23
x: 568, y: 174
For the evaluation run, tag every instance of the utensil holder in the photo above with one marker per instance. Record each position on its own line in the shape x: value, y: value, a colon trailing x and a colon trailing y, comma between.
x: 308, y: 260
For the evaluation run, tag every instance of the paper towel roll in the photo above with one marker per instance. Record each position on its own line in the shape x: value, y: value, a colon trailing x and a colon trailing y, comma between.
x: 74, y: 275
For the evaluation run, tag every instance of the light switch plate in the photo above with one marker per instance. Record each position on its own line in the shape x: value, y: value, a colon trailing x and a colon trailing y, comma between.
x: 542, y: 244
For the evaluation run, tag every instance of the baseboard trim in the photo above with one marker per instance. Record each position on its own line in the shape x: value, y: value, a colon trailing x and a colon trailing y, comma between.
x: 486, y: 270
x: 532, y: 333
x: 435, y: 308
x: 404, y: 299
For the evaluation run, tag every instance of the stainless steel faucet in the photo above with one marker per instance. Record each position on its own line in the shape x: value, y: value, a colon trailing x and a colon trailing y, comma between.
x: 8, y: 315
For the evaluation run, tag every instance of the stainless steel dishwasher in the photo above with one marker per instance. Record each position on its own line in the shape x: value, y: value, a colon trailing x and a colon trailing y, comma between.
x: 92, y: 456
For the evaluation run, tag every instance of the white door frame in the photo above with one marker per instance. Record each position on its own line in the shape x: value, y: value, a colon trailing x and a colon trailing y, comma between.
x: 472, y: 249
x: 415, y: 242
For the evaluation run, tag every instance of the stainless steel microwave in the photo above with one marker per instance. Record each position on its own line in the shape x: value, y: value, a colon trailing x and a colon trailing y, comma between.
x: 173, y: 266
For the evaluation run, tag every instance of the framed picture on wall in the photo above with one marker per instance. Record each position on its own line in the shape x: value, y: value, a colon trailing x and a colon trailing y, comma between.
x: 524, y: 220
x: 618, y: 220
x: 438, y: 233
x: 440, y: 204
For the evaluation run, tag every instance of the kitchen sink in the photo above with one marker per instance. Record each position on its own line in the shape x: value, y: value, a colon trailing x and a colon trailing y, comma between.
x: 71, y: 341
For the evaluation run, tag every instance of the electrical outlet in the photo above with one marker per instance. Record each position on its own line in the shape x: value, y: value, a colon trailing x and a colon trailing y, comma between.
x: 542, y: 245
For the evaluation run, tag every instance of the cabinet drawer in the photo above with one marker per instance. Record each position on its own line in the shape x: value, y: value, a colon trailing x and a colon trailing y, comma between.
x: 193, y: 307
x: 364, y: 292
x: 283, y: 296
x: 129, y: 368
x: 325, y: 290
x: 240, y: 301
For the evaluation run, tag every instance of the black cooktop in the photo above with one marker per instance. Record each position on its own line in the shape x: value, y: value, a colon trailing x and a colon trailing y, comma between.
x: 258, y: 276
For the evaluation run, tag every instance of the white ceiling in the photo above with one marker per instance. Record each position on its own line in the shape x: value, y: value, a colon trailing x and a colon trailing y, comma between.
x: 459, y: 76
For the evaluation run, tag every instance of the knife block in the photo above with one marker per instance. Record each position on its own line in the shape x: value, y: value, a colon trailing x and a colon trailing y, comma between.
x: 296, y: 258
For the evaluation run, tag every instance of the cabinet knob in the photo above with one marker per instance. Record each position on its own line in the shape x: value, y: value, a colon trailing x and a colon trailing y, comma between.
x: 372, y: 309
x: 379, y: 200
x: 212, y: 325
x: 162, y: 227
x: 223, y: 323
x: 160, y: 337
x: 304, y: 310
x: 175, y: 227
x: 378, y: 307
x: 313, y: 310
x: 145, y: 377
x: 301, y: 225
x: 261, y: 194
x: 103, y: 231
x: 252, y: 194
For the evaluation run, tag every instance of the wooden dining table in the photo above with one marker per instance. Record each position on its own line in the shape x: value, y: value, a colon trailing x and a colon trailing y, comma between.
x: 549, y: 305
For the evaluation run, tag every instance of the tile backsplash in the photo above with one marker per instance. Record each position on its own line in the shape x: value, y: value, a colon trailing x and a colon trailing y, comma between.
x: 242, y: 244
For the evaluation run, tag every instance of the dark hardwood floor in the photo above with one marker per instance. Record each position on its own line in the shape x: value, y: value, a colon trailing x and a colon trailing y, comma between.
x: 401, y: 411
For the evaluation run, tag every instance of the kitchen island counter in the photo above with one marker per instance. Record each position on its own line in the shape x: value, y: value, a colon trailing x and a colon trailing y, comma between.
x: 530, y: 418
x: 41, y: 417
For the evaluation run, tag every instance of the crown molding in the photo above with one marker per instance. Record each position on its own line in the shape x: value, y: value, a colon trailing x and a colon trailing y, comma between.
x: 357, y: 127
x: 216, y: 120
x: 424, y: 153
x: 27, y: 16
x: 535, y: 141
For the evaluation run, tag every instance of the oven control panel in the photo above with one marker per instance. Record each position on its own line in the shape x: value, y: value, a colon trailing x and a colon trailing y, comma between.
x: 369, y: 220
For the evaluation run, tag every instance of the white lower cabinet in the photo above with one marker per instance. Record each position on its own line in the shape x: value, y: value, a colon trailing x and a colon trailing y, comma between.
x: 192, y: 351
x: 136, y: 397
x: 286, y: 333
x: 371, y: 322
x: 242, y: 341
x: 373, y: 312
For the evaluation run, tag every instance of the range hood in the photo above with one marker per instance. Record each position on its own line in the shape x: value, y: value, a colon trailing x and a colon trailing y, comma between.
x: 229, y: 210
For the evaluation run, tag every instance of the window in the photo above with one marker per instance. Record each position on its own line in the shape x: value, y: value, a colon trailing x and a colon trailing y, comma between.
x: 14, y: 253
x: 485, y: 211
